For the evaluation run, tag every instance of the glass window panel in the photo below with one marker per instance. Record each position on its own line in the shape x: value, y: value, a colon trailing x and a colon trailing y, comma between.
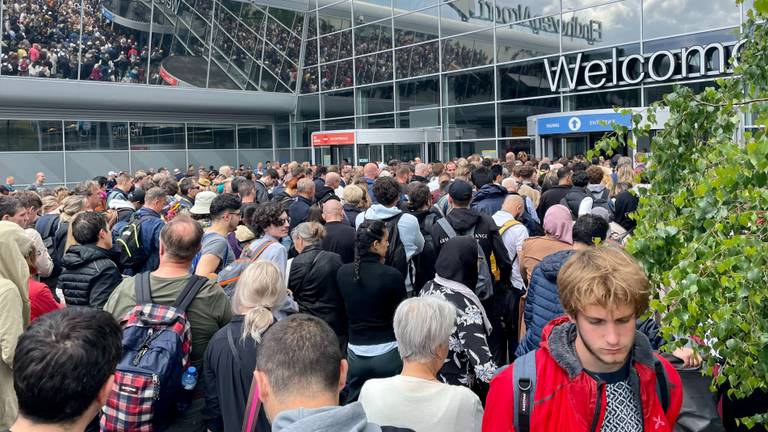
x: 26, y: 135
x: 458, y: 149
x: 470, y: 122
x: 339, y: 124
x: 24, y: 166
x: 420, y: 93
x: 84, y: 165
x: 608, y: 99
x: 374, y: 68
x: 523, y: 80
x: 339, y: 104
x: 256, y: 136
x: 469, y: 87
x: 335, y: 17
x: 371, y: 10
x: 417, y: 60
x: 586, y: 29
x: 278, y: 34
x: 157, y: 136
x: 292, y: 20
x: 336, y: 75
x: 420, y: 118
x: 409, y: 5
x: 663, y: 18
x: 335, y: 46
x: 253, y: 17
x: 466, y: 51
x: 90, y: 135
x: 309, y: 81
x: 518, y: 42
x: 308, y: 107
x: 461, y: 16
x: 311, y: 24
x: 416, y: 27
x: 373, y: 37
x: 376, y: 99
x: 656, y: 93
x: 509, y: 11
x: 376, y: 121
x: 310, y: 53
x: 303, y: 133
x: 513, y: 115
x: 210, y: 136
x: 282, y: 132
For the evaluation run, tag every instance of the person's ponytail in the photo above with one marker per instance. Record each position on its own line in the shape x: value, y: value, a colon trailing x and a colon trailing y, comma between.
x: 256, y: 322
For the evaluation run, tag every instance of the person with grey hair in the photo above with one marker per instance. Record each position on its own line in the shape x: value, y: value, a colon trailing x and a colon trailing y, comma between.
x: 312, y: 278
x: 415, y: 399
x: 305, y: 196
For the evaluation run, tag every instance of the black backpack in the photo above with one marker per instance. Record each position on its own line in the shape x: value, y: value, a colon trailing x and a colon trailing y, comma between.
x: 602, y: 200
x: 396, y: 251
x: 47, y: 231
x: 128, y: 244
x: 424, y: 262
x: 534, y: 228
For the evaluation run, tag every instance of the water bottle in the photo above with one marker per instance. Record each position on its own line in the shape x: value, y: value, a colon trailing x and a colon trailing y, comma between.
x: 188, y: 383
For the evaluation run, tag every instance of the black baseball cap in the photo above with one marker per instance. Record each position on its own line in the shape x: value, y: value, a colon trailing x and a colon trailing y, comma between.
x: 460, y: 190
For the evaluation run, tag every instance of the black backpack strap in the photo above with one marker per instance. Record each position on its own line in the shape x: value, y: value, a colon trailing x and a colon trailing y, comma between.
x: 48, y: 225
x: 189, y: 293
x: 524, y: 381
x: 662, y: 386
x: 232, y: 346
x: 143, y: 291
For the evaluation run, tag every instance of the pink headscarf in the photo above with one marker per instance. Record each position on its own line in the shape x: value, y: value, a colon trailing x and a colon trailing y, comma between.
x: 558, y: 223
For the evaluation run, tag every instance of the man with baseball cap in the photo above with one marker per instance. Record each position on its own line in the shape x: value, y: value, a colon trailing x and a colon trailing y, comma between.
x: 466, y: 221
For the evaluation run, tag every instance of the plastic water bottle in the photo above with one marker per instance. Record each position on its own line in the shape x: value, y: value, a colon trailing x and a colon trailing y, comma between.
x: 188, y: 383
x: 189, y: 379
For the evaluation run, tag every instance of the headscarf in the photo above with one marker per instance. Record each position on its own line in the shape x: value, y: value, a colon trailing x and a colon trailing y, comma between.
x: 558, y: 223
x: 458, y: 261
x: 625, y: 203
x: 15, y: 246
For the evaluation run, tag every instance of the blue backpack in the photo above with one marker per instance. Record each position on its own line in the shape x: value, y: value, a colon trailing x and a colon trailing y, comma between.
x: 157, y: 340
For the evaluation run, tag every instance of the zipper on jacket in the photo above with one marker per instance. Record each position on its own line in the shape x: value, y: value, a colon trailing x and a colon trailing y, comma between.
x: 598, y: 406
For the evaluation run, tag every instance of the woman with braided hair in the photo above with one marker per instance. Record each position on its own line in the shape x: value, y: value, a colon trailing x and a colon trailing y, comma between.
x: 371, y: 293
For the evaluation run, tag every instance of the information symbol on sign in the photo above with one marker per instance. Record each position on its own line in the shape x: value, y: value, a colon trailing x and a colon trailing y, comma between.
x: 574, y: 124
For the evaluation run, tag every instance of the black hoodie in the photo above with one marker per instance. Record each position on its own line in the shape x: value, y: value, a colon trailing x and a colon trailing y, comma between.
x: 486, y: 233
x: 89, y: 276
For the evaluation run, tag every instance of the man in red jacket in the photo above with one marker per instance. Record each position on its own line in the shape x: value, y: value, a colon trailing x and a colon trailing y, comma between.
x: 593, y: 372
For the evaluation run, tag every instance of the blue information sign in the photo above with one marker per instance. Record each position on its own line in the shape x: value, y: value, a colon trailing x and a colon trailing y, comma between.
x: 107, y: 14
x: 581, y: 123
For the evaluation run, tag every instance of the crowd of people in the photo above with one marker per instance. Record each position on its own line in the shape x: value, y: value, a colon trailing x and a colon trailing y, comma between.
x: 470, y: 295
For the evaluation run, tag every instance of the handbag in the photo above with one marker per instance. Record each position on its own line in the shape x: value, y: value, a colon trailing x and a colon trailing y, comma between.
x: 699, y: 410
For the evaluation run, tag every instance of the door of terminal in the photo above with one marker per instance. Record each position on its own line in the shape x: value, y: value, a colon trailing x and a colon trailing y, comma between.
x: 569, y: 145
x: 334, y: 155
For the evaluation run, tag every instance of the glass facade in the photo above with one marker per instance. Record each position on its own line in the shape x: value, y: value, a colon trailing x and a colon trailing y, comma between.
x: 76, y: 150
x: 475, y: 69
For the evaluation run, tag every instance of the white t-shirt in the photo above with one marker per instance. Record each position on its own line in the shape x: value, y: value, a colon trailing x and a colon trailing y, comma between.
x: 421, y: 405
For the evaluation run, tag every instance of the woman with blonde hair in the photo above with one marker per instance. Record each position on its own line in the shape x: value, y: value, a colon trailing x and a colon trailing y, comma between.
x: 58, y: 230
x: 355, y: 201
x: 258, y: 301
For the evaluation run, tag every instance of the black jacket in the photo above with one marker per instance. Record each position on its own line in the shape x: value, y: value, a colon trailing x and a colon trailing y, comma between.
x: 228, y: 381
x: 573, y: 199
x: 313, y: 283
x: 550, y: 198
x: 486, y: 233
x: 340, y: 238
x: 351, y: 211
x: 89, y: 276
x: 262, y: 193
x: 371, y: 300
x: 299, y: 211
x: 425, y: 261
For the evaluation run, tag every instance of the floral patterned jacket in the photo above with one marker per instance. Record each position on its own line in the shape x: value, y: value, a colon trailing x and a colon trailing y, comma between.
x: 469, y: 361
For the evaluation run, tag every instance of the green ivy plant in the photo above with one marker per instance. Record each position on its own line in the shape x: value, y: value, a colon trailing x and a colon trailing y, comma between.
x: 701, y: 230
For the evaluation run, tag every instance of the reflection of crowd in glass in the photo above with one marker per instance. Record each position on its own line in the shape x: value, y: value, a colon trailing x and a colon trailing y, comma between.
x: 244, y: 32
x: 40, y: 39
x: 411, y: 61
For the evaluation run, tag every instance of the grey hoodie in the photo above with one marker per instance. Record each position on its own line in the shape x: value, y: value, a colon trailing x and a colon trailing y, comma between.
x: 348, y: 418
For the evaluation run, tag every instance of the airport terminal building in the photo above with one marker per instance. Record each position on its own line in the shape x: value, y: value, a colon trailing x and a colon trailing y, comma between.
x: 89, y: 86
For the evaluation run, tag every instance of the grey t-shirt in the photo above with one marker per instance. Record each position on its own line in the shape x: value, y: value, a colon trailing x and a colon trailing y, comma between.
x: 217, y: 244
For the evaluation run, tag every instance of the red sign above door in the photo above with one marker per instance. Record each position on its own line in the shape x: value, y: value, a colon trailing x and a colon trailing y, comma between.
x: 324, y: 139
